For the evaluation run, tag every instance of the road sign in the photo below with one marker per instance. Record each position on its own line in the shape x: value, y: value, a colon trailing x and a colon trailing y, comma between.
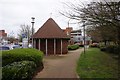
x: 24, y: 35
x: 25, y: 42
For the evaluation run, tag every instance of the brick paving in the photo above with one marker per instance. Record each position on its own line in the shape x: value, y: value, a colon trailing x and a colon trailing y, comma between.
x: 60, y: 66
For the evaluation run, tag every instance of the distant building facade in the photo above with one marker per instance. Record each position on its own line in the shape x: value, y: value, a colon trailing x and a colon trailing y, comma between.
x: 76, y: 36
x: 3, y: 36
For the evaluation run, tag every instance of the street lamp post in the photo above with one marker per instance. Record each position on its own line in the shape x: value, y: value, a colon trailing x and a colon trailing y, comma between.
x: 33, y: 24
x: 32, y: 29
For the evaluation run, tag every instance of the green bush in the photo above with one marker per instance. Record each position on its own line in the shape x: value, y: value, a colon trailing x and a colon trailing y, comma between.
x: 111, y: 49
x: 117, y: 50
x: 81, y: 45
x: 103, y: 48
x: 22, y: 70
x: 73, y: 47
x: 24, y: 54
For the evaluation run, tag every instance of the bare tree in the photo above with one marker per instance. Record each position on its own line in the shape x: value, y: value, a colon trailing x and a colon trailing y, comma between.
x: 11, y: 39
x: 26, y: 30
x: 102, y: 18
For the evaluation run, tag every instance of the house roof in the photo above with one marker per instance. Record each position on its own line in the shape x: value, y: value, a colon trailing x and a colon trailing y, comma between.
x: 50, y: 29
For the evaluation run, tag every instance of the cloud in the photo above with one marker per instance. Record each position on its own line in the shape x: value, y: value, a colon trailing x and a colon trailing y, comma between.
x: 17, y: 12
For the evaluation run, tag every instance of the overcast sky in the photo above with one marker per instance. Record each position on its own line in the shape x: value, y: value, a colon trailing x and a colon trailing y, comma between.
x: 16, y: 12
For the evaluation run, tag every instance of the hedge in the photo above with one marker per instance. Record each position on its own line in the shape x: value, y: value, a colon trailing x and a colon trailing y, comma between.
x: 111, y: 49
x: 22, y: 70
x: 73, y: 47
x: 21, y: 64
x: 24, y: 54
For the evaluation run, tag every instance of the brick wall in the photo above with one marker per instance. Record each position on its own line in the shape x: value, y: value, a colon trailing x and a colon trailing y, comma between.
x: 65, y: 45
x: 51, y: 46
x: 2, y: 33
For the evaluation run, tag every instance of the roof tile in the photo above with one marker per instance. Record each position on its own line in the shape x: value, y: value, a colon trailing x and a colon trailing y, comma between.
x: 50, y: 29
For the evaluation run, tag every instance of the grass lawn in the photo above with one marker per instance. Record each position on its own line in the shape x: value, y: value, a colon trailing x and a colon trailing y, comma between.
x: 97, y: 64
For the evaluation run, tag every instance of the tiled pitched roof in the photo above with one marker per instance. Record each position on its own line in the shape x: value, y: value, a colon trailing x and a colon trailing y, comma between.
x: 50, y: 29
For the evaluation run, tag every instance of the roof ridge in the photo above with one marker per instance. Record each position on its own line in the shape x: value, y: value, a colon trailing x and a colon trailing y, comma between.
x: 50, y: 29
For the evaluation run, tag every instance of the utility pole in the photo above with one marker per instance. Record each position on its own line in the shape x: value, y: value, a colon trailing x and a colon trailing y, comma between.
x: 84, y: 35
x: 32, y: 29
x: 69, y: 22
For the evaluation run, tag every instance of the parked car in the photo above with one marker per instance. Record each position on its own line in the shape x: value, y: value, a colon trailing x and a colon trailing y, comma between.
x: 15, y: 46
x: 94, y: 45
x: 9, y: 47
x: 4, y: 48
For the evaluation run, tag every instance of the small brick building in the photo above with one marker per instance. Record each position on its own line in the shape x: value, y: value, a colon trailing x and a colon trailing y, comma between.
x: 3, y: 37
x: 3, y: 34
x: 51, y: 39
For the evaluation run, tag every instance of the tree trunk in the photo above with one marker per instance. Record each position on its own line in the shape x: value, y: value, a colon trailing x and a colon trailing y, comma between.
x: 118, y: 33
x: 105, y: 43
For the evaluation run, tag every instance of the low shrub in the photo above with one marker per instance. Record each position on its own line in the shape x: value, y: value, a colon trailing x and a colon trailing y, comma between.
x: 111, y: 49
x: 103, y: 48
x: 22, y: 70
x: 73, y: 47
x: 25, y: 54
x: 117, y: 50
x: 81, y: 45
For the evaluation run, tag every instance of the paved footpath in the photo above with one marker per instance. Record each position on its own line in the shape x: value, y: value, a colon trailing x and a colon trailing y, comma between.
x: 62, y: 66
